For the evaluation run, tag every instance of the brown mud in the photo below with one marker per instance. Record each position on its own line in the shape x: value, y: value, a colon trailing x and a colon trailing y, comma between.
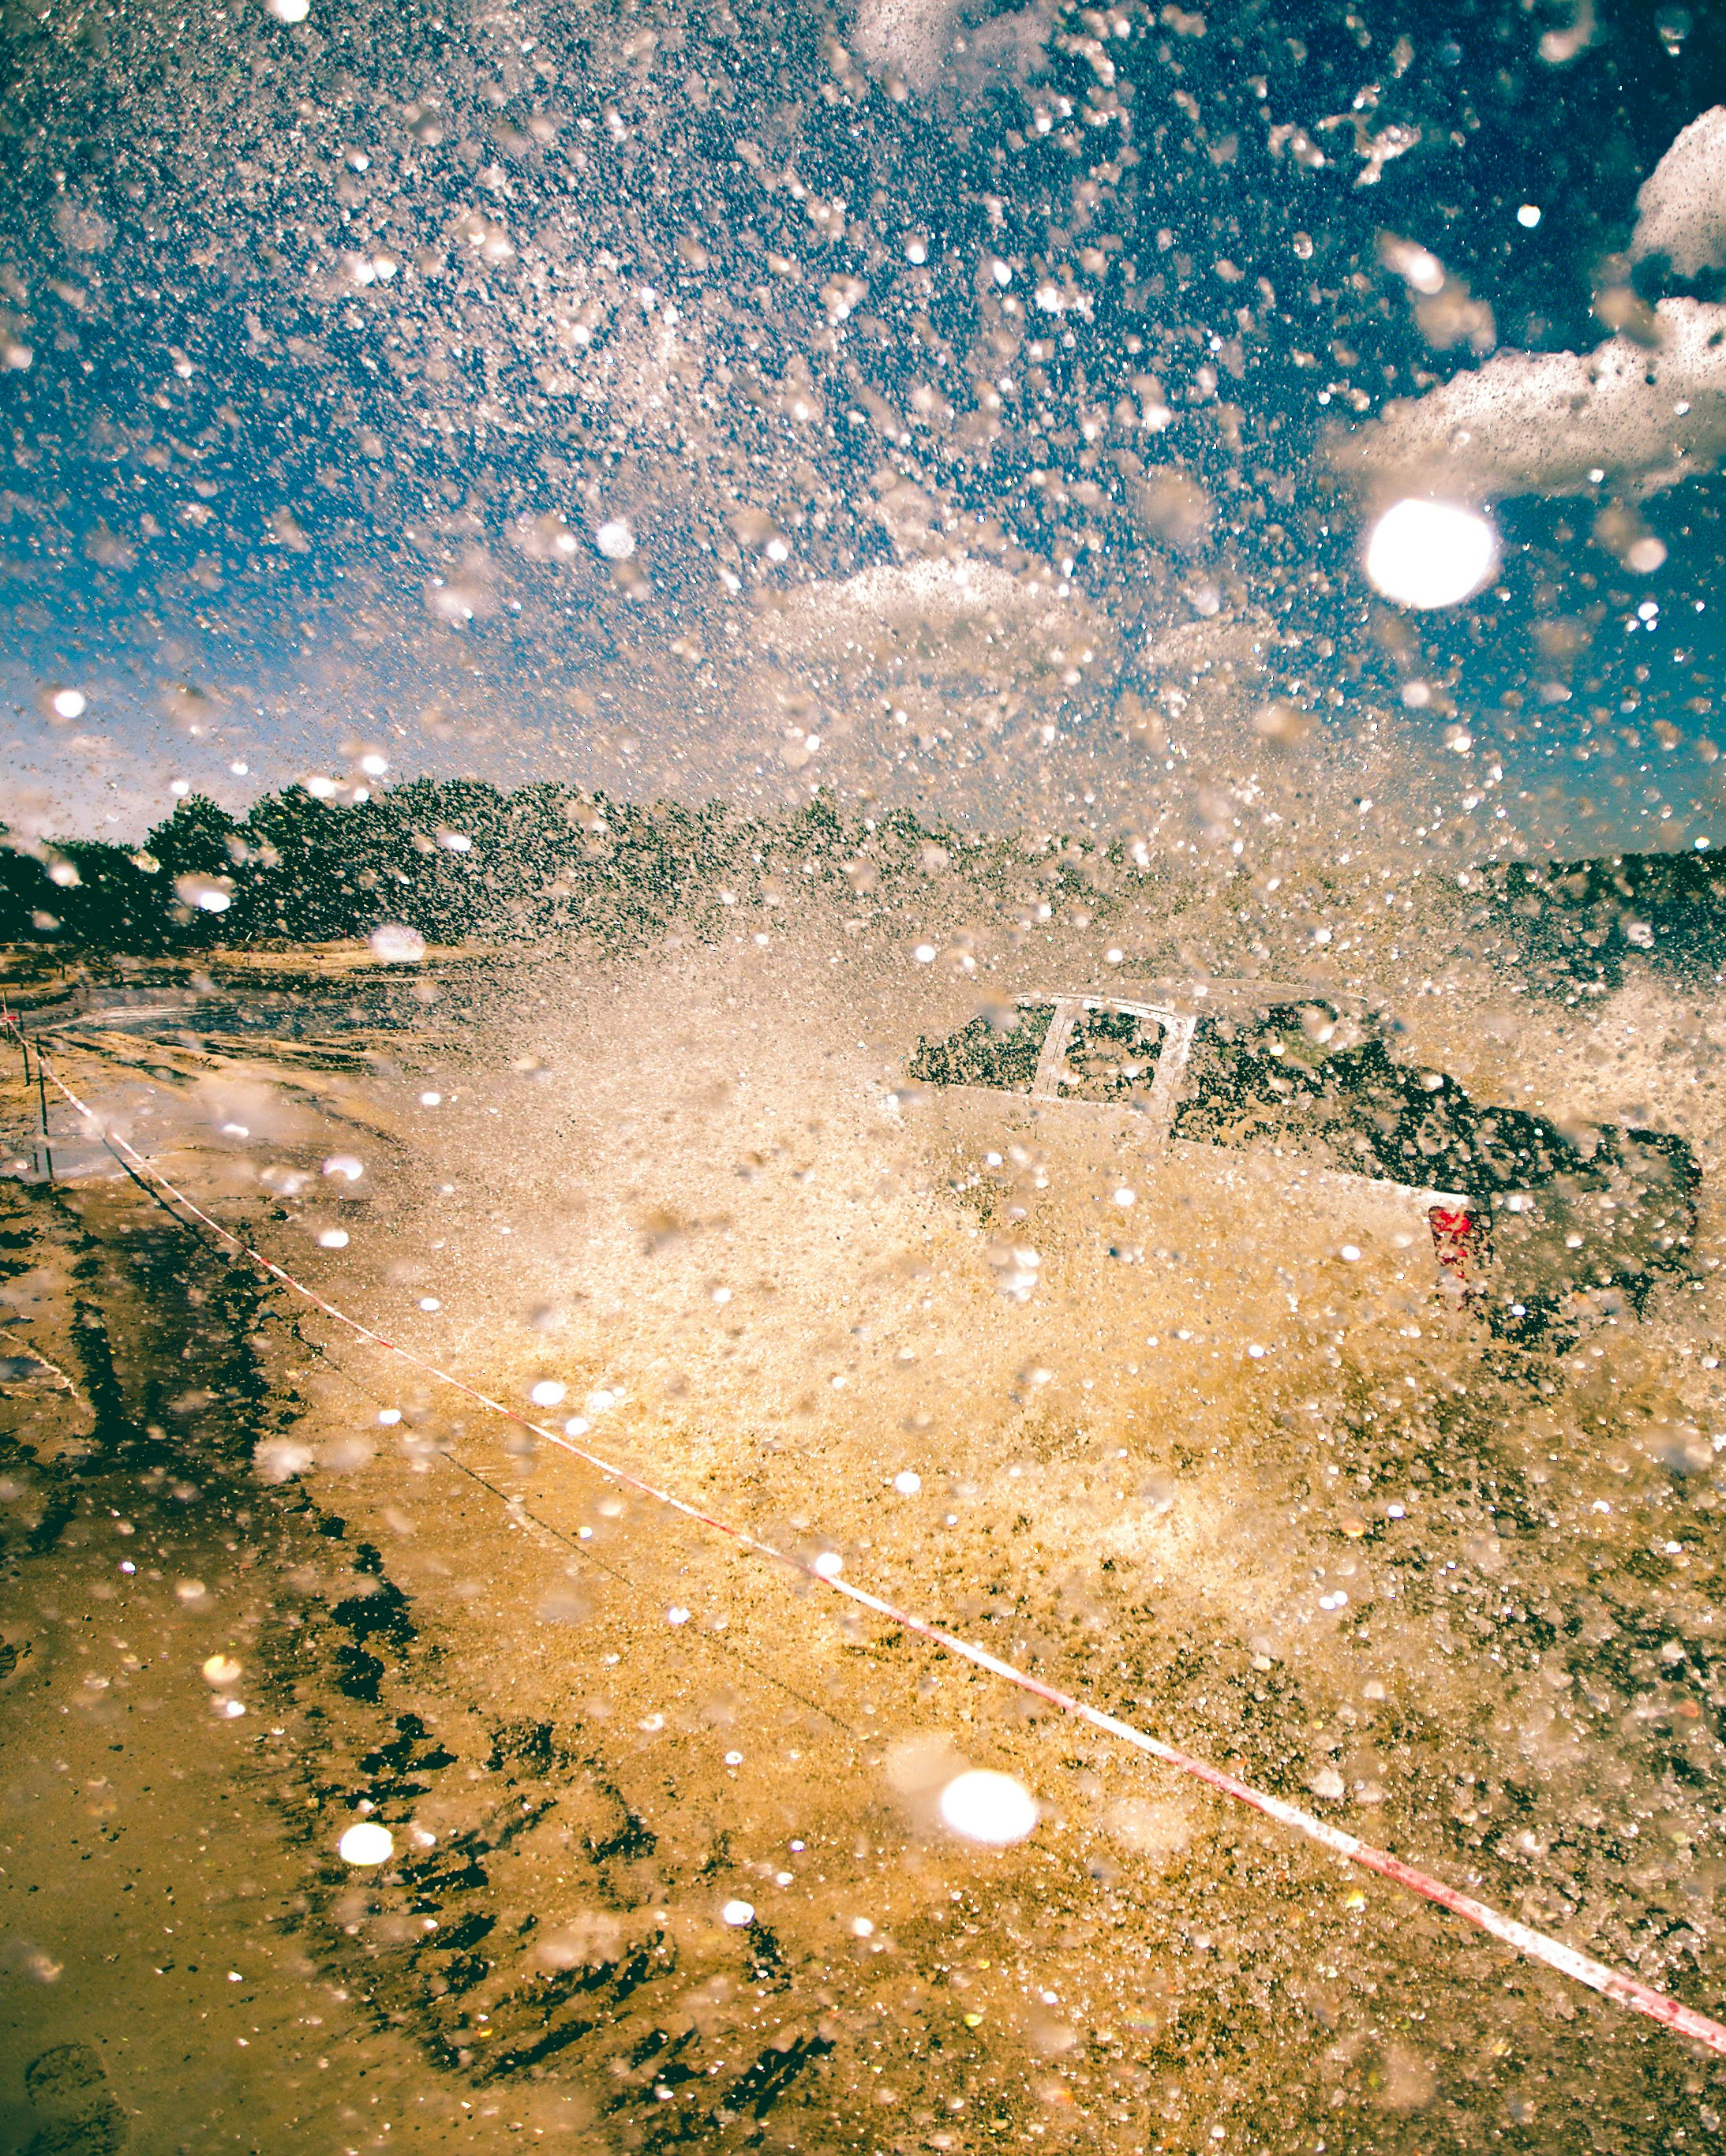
x: 589, y: 1729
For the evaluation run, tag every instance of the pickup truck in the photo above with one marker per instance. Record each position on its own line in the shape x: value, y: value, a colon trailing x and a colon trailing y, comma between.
x: 1303, y: 1097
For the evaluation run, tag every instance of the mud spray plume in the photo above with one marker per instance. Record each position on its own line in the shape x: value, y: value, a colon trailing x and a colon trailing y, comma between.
x: 1538, y: 1946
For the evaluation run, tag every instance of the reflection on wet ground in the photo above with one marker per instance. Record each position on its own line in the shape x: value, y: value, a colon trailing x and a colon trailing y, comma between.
x: 261, y: 1589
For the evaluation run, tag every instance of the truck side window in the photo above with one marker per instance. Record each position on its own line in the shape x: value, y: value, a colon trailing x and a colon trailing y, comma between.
x: 998, y: 1049
x: 1111, y: 1056
x: 1252, y: 1080
x: 1514, y: 1150
x: 1294, y: 1076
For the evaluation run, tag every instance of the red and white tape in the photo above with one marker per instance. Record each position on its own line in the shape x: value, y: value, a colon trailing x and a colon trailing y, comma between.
x: 1569, y: 1961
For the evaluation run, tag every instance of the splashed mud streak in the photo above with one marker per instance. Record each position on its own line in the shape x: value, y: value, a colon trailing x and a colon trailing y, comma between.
x: 1613, y: 1983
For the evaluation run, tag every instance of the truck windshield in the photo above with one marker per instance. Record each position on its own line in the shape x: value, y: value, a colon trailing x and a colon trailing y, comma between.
x: 1111, y: 1056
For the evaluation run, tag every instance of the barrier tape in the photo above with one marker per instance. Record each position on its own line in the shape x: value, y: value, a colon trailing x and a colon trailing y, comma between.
x: 1537, y: 1946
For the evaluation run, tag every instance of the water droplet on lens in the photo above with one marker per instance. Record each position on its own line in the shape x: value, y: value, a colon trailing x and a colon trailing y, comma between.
x: 1430, y: 553
x: 986, y: 1807
x: 395, y: 944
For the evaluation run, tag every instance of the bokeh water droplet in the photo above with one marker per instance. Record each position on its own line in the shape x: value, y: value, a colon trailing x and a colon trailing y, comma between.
x: 984, y: 1806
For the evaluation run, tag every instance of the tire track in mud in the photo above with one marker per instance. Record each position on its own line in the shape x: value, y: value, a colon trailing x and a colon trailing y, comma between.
x: 447, y: 1945
x: 448, y: 1942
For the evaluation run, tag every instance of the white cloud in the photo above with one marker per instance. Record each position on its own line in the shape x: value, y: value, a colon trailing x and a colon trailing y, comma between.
x: 1644, y: 412
x: 940, y: 665
x: 1540, y: 423
x: 916, y: 40
x: 911, y: 37
x: 926, y: 609
x: 1681, y: 207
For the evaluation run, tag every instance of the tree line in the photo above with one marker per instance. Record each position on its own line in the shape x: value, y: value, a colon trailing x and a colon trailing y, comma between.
x: 460, y: 861
x: 456, y: 860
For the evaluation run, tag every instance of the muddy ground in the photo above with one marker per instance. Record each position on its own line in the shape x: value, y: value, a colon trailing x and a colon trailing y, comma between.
x: 679, y: 1190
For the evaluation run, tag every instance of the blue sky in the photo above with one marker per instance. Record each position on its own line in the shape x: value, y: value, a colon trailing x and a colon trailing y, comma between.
x: 333, y: 346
